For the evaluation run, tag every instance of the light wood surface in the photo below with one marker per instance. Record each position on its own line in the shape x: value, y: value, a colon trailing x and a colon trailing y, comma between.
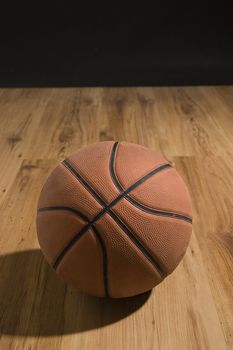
x: 191, y: 309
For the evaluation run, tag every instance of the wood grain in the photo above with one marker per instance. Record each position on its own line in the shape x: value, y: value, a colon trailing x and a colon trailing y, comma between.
x: 191, y: 309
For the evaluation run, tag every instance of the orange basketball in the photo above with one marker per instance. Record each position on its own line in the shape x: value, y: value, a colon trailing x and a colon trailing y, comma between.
x: 114, y: 219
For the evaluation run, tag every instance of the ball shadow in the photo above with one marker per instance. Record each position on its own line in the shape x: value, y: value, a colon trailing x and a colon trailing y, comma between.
x: 34, y: 301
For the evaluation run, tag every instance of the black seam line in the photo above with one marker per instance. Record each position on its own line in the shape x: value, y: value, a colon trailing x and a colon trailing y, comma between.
x: 57, y: 208
x: 159, y: 212
x: 137, y: 242
x: 69, y: 166
x: 135, y: 202
x: 106, y: 207
x: 105, y: 260
x: 70, y: 244
x: 112, y: 168
x: 89, y: 225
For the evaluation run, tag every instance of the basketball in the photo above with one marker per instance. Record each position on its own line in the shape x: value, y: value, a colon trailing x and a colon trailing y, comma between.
x: 114, y: 219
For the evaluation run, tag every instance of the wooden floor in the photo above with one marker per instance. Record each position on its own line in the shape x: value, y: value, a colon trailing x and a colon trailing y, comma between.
x: 191, y: 309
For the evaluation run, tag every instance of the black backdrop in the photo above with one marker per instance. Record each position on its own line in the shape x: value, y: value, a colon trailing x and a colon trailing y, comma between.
x: 152, y: 43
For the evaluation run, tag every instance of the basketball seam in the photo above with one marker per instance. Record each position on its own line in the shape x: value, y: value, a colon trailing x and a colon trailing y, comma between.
x: 158, y: 212
x: 136, y: 241
x: 133, y: 201
x: 104, y: 260
x: 96, y: 234
x: 70, y: 244
x: 69, y: 166
x: 60, y: 208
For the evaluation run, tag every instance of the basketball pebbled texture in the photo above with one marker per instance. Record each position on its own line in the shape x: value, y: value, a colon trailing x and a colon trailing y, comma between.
x: 114, y: 219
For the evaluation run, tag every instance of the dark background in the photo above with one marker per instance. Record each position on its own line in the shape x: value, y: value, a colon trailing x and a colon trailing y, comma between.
x: 152, y: 43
